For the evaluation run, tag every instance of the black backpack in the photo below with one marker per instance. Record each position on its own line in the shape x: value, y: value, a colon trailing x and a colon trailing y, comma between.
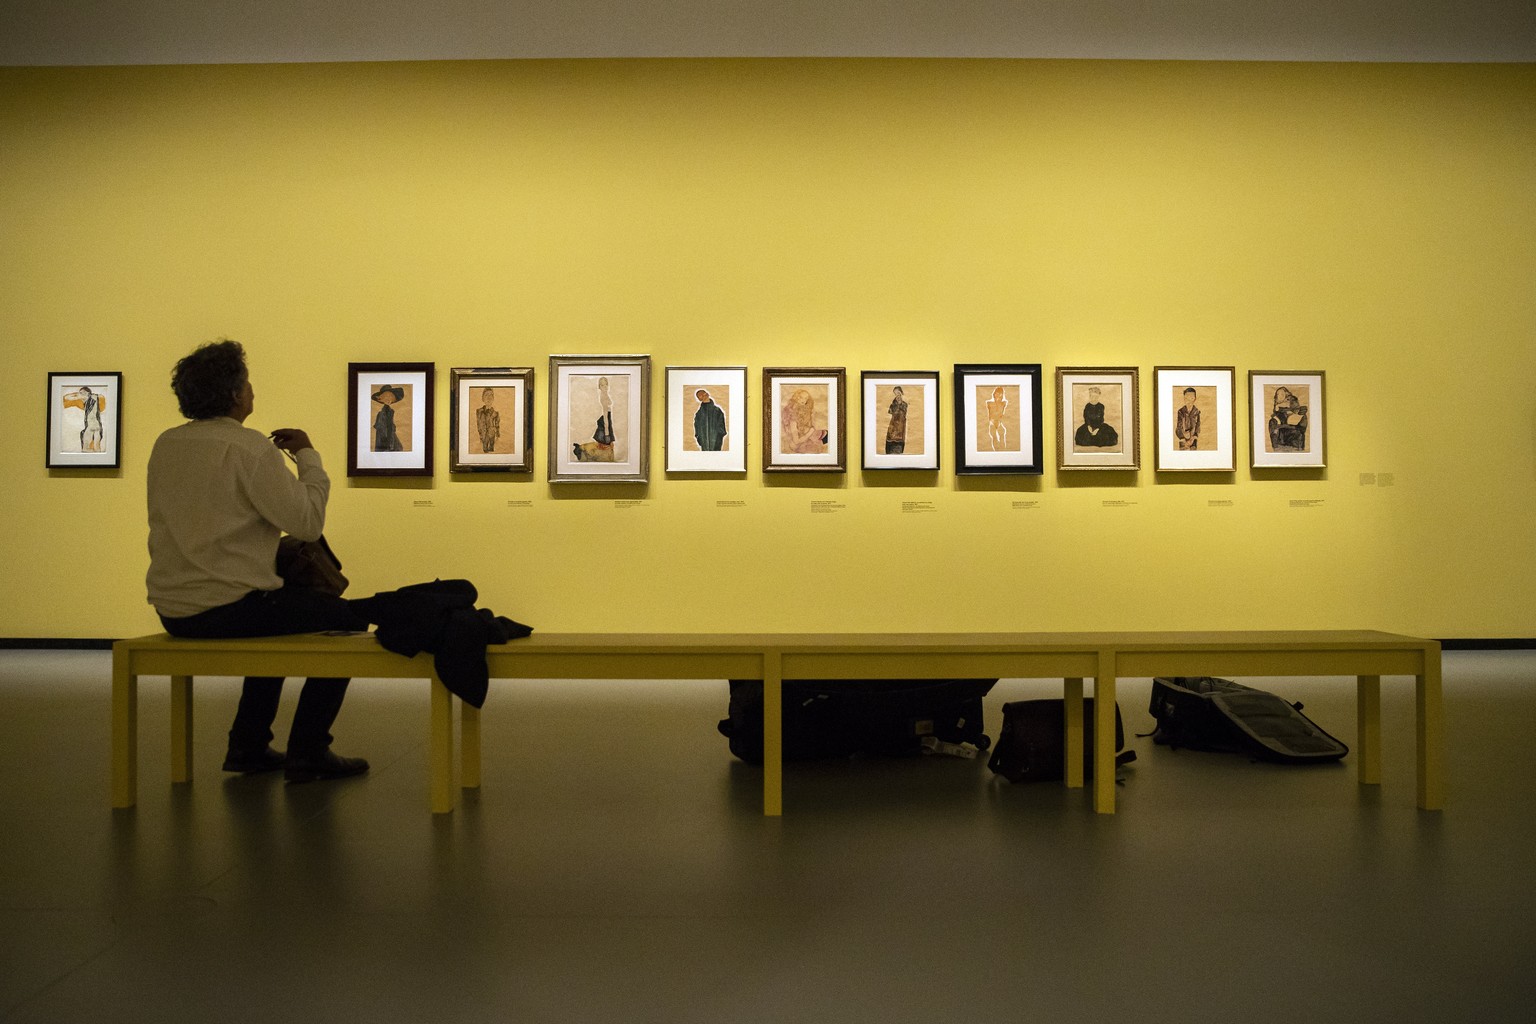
x: 1202, y: 713
x: 1032, y: 746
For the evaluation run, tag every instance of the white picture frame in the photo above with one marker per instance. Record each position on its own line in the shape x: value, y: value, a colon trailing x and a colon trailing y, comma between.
x: 1287, y: 427
x: 1209, y: 392
x: 701, y: 439
x: 900, y: 417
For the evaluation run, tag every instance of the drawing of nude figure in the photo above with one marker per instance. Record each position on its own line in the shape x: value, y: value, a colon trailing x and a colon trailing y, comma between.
x: 998, y: 431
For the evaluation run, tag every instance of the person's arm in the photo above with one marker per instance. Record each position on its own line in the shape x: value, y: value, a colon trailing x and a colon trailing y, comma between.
x: 294, y: 505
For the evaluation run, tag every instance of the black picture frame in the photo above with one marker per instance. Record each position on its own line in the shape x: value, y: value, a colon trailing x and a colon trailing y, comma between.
x: 84, y: 420
x: 992, y: 438
x: 370, y: 441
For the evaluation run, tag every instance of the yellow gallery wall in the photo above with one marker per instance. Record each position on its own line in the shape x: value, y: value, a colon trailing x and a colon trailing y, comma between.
x: 1377, y: 222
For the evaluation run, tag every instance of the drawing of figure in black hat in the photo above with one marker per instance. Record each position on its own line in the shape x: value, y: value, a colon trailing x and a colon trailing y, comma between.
x: 384, y: 437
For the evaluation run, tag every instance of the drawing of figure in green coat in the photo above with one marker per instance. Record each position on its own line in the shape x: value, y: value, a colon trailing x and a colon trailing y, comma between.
x: 708, y: 423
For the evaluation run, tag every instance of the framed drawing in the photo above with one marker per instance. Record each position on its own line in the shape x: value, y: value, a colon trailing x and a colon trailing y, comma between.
x: 599, y: 418
x: 85, y: 420
x: 1285, y: 419
x: 389, y: 419
x: 901, y: 419
x: 1195, y: 419
x: 997, y: 418
x: 706, y: 419
x: 803, y: 420
x: 490, y: 413
x: 1098, y: 418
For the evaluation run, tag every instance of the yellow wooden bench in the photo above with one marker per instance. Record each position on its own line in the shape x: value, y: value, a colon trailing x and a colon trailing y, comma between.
x: 774, y: 657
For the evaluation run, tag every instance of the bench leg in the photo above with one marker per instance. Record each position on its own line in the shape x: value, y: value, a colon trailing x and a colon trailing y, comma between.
x: 469, y: 746
x: 1430, y: 734
x: 1073, y: 709
x: 181, y: 728
x: 773, y: 736
x: 1104, y: 735
x: 441, y: 744
x: 125, y: 733
x: 1368, y: 729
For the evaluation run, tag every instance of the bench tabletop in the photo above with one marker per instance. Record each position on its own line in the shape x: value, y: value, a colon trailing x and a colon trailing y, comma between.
x: 853, y: 642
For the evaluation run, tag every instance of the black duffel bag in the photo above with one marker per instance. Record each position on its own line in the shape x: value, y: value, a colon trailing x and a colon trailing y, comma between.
x: 1032, y: 746
x: 848, y: 717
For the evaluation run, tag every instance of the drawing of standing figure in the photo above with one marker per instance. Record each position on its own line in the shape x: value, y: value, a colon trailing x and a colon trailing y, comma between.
x: 1187, y: 428
x: 488, y: 422
x: 896, y: 430
x: 708, y: 423
x: 604, y: 433
x: 384, y: 437
x: 997, y: 428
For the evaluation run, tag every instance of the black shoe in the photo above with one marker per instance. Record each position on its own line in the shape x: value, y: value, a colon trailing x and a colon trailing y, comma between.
x: 253, y: 763
x: 328, y: 765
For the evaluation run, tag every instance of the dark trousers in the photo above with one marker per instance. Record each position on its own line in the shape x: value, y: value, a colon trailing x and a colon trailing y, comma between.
x: 277, y: 613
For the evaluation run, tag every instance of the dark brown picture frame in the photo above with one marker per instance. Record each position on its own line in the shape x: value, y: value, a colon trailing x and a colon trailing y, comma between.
x: 777, y: 418
x: 370, y: 433
x: 463, y: 383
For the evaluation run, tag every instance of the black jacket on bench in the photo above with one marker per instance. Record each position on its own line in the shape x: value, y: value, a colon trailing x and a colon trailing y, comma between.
x: 441, y: 617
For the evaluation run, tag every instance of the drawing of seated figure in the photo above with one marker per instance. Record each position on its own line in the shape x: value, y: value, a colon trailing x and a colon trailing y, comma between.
x: 797, y: 424
x: 1093, y: 432
x: 1287, y: 423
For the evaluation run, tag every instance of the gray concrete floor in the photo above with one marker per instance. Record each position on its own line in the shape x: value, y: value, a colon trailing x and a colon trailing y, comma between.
x: 615, y: 867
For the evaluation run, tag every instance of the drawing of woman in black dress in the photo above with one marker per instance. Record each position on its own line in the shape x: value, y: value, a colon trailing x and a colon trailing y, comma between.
x: 896, y: 431
x: 384, y: 437
x: 1093, y: 432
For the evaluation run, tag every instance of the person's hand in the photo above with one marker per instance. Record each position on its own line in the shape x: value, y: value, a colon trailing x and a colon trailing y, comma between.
x: 290, y: 439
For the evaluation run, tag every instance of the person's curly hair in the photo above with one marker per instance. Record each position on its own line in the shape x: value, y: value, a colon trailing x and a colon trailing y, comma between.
x: 205, y: 382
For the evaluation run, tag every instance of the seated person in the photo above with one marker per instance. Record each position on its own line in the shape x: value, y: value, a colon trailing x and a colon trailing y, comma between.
x: 1093, y: 432
x: 220, y: 495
